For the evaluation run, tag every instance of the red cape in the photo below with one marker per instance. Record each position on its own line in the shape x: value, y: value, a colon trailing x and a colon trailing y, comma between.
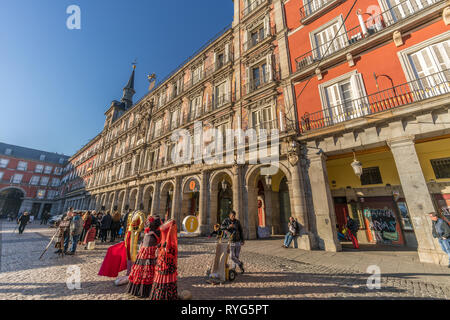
x: 115, y: 261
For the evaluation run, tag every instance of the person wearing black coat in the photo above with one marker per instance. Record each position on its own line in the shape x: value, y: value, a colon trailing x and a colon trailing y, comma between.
x: 441, y: 231
x: 23, y: 220
x: 105, y: 226
x: 233, y: 227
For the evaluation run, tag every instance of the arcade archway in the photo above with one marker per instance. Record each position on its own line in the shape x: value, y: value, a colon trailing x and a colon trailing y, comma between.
x: 10, y: 201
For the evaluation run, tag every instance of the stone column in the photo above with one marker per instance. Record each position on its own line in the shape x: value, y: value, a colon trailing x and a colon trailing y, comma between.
x: 323, y: 202
x: 203, y: 203
x: 237, y: 191
x: 139, y: 197
x: 176, y: 202
x: 125, y: 200
x: 417, y: 197
x: 154, y: 210
x: 115, y: 198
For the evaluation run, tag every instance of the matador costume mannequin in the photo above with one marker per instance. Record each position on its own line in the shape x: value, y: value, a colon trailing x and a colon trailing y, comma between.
x: 122, y: 255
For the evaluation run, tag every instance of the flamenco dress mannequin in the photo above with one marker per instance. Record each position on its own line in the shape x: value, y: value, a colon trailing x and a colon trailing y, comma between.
x: 142, y: 273
x: 165, y: 281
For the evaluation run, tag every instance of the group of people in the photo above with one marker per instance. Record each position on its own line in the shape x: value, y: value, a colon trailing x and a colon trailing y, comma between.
x: 82, y: 227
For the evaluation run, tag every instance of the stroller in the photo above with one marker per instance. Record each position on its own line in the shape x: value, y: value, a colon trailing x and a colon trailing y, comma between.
x: 220, y: 270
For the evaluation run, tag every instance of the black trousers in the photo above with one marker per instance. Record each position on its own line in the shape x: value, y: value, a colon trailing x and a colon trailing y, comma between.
x: 103, y: 234
x: 22, y: 227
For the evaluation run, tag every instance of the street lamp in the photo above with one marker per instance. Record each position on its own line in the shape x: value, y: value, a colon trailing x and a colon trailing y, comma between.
x: 357, y: 166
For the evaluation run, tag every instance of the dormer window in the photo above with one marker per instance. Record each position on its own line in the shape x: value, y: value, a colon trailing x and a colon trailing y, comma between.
x: 8, y: 152
x: 42, y: 157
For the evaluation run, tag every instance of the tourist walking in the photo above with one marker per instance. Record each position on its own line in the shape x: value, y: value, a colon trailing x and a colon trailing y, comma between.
x: 76, y: 228
x: 294, y: 230
x: 23, y: 221
x: 233, y: 227
x: 441, y: 231
x: 105, y: 226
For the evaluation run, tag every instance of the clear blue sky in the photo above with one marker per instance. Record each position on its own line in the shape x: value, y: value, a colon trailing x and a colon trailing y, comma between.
x: 56, y: 83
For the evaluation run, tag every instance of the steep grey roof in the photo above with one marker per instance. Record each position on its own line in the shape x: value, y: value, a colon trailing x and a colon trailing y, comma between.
x: 31, y: 154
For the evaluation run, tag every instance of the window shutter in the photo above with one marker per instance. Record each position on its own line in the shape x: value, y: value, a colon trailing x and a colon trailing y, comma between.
x: 269, y: 67
x: 227, y: 93
x: 245, y: 40
x: 358, y: 95
x: 206, y: 102
x: 267, y: 25
x: 215, y: 60
x: 227, y: 52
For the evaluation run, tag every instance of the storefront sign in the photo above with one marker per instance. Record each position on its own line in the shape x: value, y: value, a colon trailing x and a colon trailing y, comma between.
x: 190, y: 224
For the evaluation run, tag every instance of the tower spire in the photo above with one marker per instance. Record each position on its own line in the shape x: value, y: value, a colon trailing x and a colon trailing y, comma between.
x: 128, y: 91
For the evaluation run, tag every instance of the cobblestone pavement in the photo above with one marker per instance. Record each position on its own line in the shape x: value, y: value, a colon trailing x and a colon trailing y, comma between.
x: 23, y: 276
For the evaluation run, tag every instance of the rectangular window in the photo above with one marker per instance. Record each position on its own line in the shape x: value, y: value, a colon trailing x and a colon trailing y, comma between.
x: 1, y: 175
x: 55, y: 182
x: 34, y: 180
x: 221, y: 94
x: 441, y: 168
x: 40, y: 194
x: 4, y: 163
x: 42, y: 157
x: 174, y: 120
x: 196, y: 107
x: 58, y: 170
x: 44, y: 181
x: 51, y: 194
x: 157, y: 131
x: 323, y: 39
x: 263, y: 119
x: 431, y: 67
x: 371, y: 176
x: 344, y: 99
x: 39, y: 168
x: 48, y: 169
x: 197, y: 74
x: 17, y: 178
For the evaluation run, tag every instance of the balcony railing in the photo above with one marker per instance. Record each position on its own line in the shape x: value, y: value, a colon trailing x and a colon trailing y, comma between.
x: 350, y: 37
x: 421, y: 89
x: 252, y: 6
x: 313, y: 6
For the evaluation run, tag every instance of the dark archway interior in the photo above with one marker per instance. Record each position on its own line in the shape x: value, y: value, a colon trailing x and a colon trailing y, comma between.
x: 10, y: 201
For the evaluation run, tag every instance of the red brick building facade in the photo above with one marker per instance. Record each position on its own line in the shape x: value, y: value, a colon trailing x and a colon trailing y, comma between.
x: 29, y: 180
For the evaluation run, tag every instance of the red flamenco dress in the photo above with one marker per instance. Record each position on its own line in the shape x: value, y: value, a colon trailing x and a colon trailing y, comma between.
x: 165, y: 281
x: 140, y: 280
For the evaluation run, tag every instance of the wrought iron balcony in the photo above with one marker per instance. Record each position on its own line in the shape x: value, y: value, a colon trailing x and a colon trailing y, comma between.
x: 311, y: 7
x: 418, y: 90
x: 355, y: 34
